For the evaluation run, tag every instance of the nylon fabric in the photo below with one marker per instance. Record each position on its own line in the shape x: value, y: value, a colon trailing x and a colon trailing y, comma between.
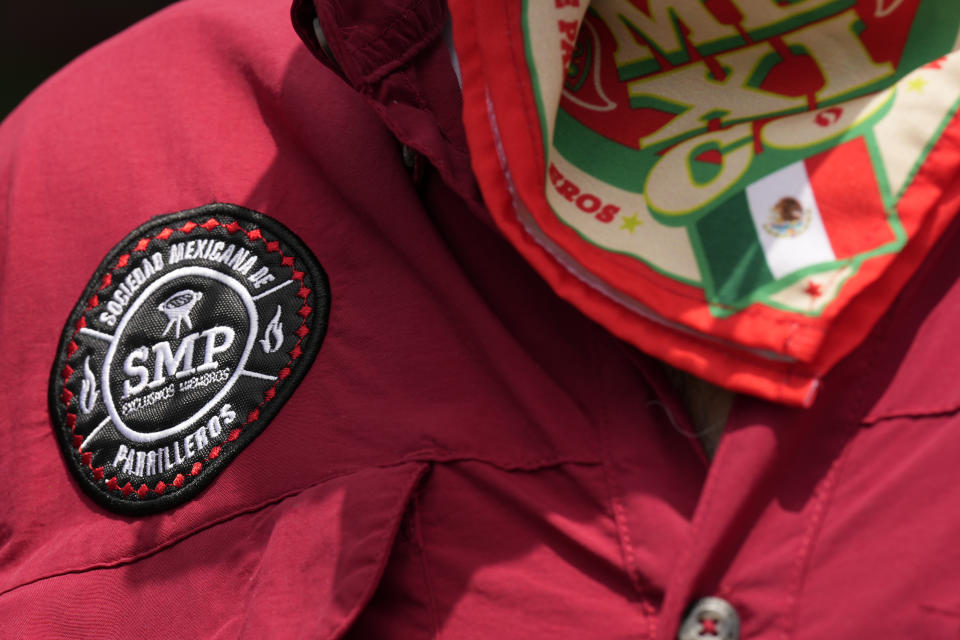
x: 470, y: 455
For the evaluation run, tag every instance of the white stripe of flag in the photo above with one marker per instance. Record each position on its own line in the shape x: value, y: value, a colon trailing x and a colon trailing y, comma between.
x: 786, y: 254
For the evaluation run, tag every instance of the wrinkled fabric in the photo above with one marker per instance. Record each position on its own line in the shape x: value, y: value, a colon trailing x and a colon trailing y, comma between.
x: 469, y: 456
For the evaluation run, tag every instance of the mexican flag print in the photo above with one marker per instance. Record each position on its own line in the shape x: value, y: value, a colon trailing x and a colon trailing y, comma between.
x: 738, y: 189
x: 794, y: 225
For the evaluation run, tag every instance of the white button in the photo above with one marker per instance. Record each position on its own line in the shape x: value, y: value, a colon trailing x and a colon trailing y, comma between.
x: 710, y: 619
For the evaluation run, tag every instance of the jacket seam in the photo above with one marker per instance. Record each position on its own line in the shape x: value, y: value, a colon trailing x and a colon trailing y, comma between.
x: 425, y: 568
x: 823, y: 502
x: 713, y: 485
x: 534, y: 464
x: 618, y: 514
x: 131, y: 559
x: 626, y: 547
x: 917, y: 414
x: 819, y: 510
x: 530, y: 466
x: 407, y: 489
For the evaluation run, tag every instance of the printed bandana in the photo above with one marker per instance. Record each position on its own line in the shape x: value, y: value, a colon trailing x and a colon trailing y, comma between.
x: 737, y: 187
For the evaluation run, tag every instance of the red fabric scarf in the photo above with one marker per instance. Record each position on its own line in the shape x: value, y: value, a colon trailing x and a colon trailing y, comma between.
x: 738, y: 188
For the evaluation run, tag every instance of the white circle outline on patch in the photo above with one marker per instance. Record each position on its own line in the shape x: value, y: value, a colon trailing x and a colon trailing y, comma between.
x: 202, y: 272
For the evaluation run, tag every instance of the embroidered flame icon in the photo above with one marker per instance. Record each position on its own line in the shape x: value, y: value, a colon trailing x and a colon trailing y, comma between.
x: 88, y: 388
x: 272, y: 334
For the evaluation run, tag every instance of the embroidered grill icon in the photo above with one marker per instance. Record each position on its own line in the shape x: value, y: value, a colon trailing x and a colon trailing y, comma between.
x: 178, y: 307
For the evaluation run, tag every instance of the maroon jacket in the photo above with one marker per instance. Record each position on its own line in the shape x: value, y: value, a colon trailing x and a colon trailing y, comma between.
x: 468, y: 456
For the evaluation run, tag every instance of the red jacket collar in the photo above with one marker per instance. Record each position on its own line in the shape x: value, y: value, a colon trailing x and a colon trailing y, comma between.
x: 370, y: 40
x: 393, y: 53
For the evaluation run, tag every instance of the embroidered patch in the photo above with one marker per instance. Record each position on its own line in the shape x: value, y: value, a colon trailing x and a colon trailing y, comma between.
x: 190, y: 336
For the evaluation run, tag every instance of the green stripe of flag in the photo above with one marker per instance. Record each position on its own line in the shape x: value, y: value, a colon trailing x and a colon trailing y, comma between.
x: 729, y: 253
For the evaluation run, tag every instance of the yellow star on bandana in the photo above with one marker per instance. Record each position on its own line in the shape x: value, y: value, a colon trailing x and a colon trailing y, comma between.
x: 631, y: 223
x: 917, y: 84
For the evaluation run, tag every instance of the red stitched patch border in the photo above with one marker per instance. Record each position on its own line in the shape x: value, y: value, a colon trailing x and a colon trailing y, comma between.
x: 269, y: 256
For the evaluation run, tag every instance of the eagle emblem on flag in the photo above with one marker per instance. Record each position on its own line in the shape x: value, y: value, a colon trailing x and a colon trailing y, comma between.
x: 789, y: 218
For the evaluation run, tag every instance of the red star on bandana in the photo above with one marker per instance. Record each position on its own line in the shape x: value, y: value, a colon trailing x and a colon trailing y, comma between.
x: 813, y: 290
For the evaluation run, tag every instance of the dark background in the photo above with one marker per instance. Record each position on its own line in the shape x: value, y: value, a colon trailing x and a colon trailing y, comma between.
x: 37, y: 39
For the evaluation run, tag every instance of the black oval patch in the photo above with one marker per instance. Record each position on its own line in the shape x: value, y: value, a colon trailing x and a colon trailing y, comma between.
x: 188, y: 339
